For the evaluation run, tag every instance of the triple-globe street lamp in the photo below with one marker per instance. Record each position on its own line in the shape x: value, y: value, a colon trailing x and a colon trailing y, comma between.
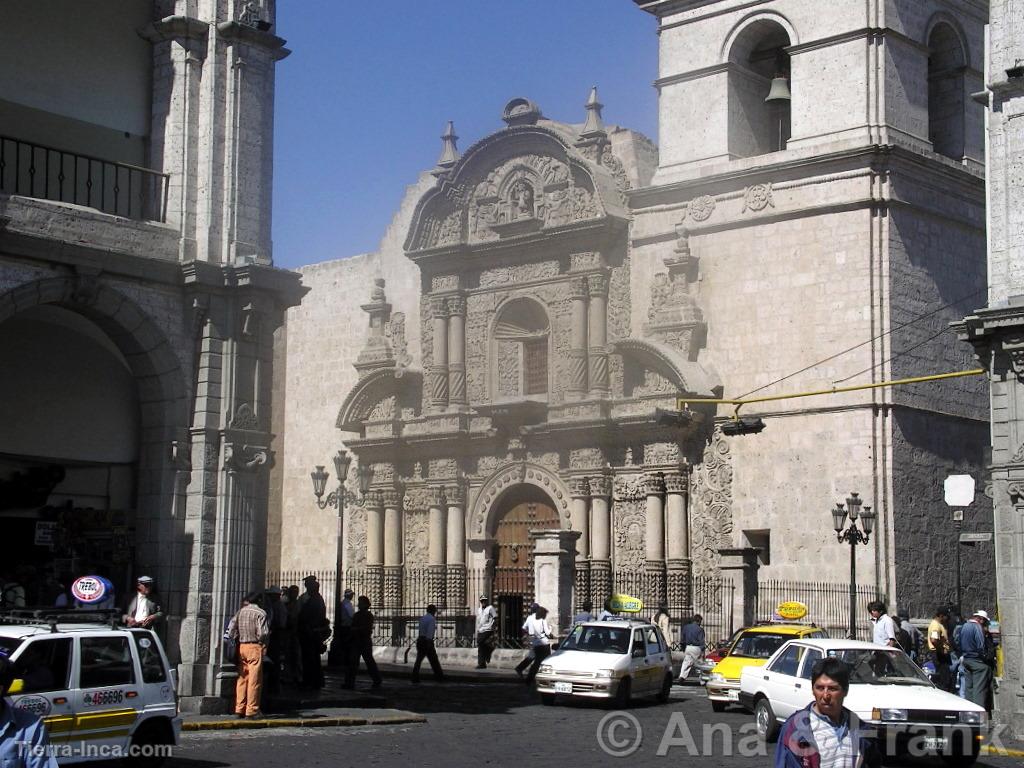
x: 853, y: 536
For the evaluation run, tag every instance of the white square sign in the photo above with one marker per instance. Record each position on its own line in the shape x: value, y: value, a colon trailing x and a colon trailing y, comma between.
x: 959, y: 490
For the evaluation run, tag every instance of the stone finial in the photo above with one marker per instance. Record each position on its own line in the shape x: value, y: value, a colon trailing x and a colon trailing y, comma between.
x: 594, y: 124
x: 449, y: 150
x: 377, y: 353
x: 521, y: 111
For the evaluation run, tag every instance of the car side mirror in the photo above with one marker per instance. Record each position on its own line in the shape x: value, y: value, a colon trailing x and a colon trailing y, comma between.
x: 16, y: 686
x: 638, y: 653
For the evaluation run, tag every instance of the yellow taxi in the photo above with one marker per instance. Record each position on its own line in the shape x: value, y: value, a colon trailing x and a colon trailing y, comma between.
x: 751, y: 647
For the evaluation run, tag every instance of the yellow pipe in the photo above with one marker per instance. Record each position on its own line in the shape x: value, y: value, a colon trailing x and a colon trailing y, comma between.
x: 682, y: 402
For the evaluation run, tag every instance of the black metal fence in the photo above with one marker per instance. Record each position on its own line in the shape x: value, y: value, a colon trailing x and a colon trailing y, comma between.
x: 828, y: 604
x: 35, y: 170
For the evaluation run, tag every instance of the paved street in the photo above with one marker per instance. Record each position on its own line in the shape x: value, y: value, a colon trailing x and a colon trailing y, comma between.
x: 494, y: 723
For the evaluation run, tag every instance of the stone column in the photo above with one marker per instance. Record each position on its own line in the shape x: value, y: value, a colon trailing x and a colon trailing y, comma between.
x: 598, y: 349
x: 436, y: 539
x: 456, y: 350
x: 654, y: 486
x: 579, y: 511
x: 554, y: 553
x: 577, y: 385
x: 679, y: 592
x: 392, y: 548
x: 439, y: 367
x: 375, y: 546
x: 600, y: 538
x: 455, y: 497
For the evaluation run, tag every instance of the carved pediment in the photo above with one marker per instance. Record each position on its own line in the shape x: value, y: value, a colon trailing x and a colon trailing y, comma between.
x: 385, y: 395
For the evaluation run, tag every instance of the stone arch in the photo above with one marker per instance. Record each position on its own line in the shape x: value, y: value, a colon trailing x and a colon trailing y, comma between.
x: 519, y: 322
x: 483, y: 518
x: 752, y: 19
x: 401, y: 385
x: 947, y: 98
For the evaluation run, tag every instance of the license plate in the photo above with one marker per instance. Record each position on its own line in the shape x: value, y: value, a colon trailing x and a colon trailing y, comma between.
x: 733, y: 695
x: 563, y: 687
x: 935, y: 744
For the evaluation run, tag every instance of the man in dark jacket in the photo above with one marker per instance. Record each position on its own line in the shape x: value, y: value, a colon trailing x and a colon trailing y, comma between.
x: 314, y: 629
x: 825, y: 732
x: 362, y: 645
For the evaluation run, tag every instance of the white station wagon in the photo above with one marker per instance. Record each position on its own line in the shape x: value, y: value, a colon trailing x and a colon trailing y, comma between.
x: 102, y: 691
x: 893, y: 698
x: 608, y: 660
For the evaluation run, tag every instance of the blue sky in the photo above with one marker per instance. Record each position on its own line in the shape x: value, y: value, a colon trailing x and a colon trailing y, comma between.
x: 364, y: 97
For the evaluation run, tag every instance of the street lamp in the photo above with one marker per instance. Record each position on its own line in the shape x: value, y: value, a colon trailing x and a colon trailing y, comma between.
x: 853, y: 536
x: 336, y: 499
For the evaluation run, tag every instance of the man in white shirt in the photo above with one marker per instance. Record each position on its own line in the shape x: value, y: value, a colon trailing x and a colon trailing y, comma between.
x: 884, y: 631
x: 425, y: 645
x: 486, y: 618
x: 539, y: 633
x: 143, y: 610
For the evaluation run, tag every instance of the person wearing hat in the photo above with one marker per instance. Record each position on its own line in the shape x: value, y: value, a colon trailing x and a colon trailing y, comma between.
x: 143, y: 610
x: 486, y: 619
x: 341, y: 643
x: 24, y: 742
x: 977, y: 655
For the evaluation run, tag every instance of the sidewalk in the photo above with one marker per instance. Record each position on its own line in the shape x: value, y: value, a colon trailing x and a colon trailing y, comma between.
x: 329, y: 717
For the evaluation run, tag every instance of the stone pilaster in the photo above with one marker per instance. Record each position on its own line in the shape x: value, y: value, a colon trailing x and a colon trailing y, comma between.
x: 598, y: 350
x: 600, y: 538
x: 579, y: 510
x: 577, y: 386
x: 455, y: 552
x: 678, y: 563
x: 654, y: 488
x: 437, y: 534
x: 392, y: 498
x: 456, y: 350
x: 554, y: 555
x: 438, y: 371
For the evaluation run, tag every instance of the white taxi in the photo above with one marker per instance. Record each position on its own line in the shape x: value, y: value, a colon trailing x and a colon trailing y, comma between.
x: 608, y: 660
x: 906, y: 713
x: 102, y: 691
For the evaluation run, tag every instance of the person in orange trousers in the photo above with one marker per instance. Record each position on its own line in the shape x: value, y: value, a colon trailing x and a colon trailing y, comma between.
x: 249, y: 628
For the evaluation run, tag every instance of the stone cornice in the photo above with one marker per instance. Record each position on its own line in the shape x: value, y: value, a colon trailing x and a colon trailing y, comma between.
x: 175, y: 28
x: 284, y: 284
x: 237, y: 32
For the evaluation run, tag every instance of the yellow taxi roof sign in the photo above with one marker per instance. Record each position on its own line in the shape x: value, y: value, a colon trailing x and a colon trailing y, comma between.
x: 625, y: 604
x: 791, y: 610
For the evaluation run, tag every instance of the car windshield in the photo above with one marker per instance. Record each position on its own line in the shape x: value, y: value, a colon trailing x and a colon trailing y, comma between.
x: 8, y: 645
x: 757, y: 645
x: 869, y: 666
x: 596, y: 639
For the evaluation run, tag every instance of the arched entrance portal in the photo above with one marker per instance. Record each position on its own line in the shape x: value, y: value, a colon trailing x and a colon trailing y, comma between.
x: 525, y: 508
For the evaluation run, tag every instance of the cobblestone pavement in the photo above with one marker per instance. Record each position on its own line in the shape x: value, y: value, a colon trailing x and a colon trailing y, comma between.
x: 496, y: 724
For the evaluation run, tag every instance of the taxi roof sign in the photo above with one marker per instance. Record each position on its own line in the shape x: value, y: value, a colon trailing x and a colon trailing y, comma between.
x: 626, y: 604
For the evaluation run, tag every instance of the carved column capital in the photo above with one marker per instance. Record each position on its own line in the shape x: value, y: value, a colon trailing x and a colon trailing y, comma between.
x: 373, y: 499
x: 578, y: 289
x: 597, y: 285
x: 392, y: 497
x: 579, y: 488
x: 600, y: 486
x: 436, y: 496
x: 456, y: 305
x: 654, y: 484
x: 438, y: 307
x: 675, y: 482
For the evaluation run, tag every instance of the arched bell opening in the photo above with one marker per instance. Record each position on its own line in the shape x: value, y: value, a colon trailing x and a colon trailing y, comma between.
x: 760, y: 114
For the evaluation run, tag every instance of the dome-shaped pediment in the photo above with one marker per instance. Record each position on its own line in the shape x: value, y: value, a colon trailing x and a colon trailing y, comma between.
x: 525, y: 178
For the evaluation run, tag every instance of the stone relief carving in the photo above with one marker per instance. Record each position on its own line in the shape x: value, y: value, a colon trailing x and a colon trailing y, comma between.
x: 508, y: 368
x: 629, y: 488
x: 711, y: 506
x: 642, y: 381
x: 701, y: 208
x: 416, y: 537
x: 661, y: 453
x: 629, y: 534
x: 518, y: 273
x: 384, y: 410
x: 614, y: 165
x: 446, y: 230
x: 395, y: 331
x: 586, y: 458
x: 245, y: 418
x: 356, y: 534
x: 758, y: 197
x: 579, y: 262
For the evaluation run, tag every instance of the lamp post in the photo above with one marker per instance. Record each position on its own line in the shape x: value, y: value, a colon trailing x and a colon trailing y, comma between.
x: 853, y: 536
x: 958, y: 524
x: 336, y: 499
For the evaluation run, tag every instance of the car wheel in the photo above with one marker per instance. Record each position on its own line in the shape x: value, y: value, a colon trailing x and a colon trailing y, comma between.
x: 718, y: 706
x: 666, y: 689
x: 151, y: 734
x: 625, y: 692
x: 547, y: 699
x: 767, y: 726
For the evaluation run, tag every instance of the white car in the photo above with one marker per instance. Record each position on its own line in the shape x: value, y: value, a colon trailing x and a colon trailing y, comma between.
x: 100, y: 690
x: 892, y: 696
x: 608, y: 660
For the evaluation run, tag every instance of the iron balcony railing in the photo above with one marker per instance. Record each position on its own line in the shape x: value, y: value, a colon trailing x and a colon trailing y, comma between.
x: 35, y: 170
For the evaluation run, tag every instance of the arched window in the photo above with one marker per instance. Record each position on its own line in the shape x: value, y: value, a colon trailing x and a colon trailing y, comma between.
x: 521, y: 351
x: 759, y: 90
x: 946, y: 97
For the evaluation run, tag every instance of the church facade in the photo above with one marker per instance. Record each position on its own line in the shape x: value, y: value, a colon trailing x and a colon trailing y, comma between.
x: 542, y: 302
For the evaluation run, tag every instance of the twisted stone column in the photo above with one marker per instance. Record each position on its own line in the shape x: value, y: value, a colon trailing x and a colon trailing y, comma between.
x: 654, y: 486
x: 436, y: 539
x: 375, y: 546
x: 579, y: 511
x: 577, y: 386
x: 439, y: 367
x: 456, y: 350
x: 680, y: 593
x: 598, y: 350
x: 455, y: 498
x: 600, y: 538
x: 392, y: 548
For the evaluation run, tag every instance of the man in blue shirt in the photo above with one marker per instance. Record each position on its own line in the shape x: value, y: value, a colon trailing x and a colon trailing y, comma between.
x: 24, y: 742
x: 977, y: 657
x: 693, y: 646
x: 425, y: 645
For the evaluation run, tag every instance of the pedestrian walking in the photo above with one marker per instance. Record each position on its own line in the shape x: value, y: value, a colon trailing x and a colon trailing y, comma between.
x: 486, y: 632
x: 586, y: 613
x: 292, y: 650
x: 314, y: 630
x: 341, y: 643
x: 24, y: 741
x: 825, y: 733
x: 249, y: 629
x: 915, y: 634
x: 362, y: 646
x: 539, y: 633
x: 425, y: 645
x: 664, y: 622
x: 978, y: 657
x: 939, y: 648
x: 903, y: 639
x: 694, y: 644
x: 883, y: 631
x: 143, y: 609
